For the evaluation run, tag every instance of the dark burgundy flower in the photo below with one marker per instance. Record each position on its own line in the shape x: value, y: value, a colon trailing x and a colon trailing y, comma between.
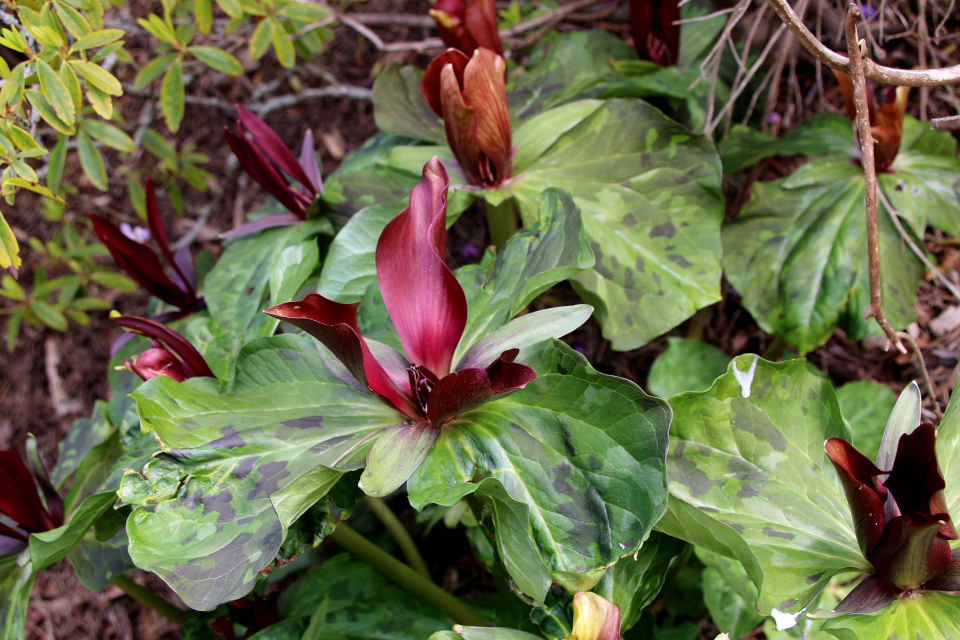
x: 429, y: 310
x: 263, y: 156
x: 143, y: 264
x: 255, y: 615
x: 656, y: 36
x: 170, y: 356
x: 20, y: 502
x: 468, y: 24
x: 470, y: 95
x: 902, y: 524
x: 886, y: 121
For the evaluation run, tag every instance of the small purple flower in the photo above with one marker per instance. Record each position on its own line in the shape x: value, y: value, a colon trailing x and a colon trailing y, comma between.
x: 774, y: 118
x: 137, y: 234
x: 468, y: 252
x: 869, y: 13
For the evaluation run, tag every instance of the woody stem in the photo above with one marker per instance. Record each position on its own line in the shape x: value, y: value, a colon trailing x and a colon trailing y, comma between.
x: 501, y: 221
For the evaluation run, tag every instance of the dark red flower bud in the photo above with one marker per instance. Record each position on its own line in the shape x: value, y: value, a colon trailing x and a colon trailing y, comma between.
x: 468, y: 24
x: 656, y: 37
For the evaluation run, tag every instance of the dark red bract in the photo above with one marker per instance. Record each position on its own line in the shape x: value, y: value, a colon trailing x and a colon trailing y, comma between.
x: 656, y: 36
x: 468, y: 24
x: 20, y: 502
x: 171, y: 355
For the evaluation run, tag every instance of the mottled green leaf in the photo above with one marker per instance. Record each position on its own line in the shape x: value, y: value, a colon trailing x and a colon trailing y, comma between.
x: 729, y: 594
x: 84, y: 435
x: 948, y: 453
x: 96, y: 563
x: 172, y: 96
x: 635, y: 580
x: 579, y: 451
x: 240, y: 462
x: 288, y: 273
x: 49, y: 546
x: 400, y: 108
x: 686, y: 365
x: 747, y: 457
x: 866, y: 405
x: 928, y: 614
x: 821, y: 133
x: 16, y: 582
x: 349, y: 267
x: 797, y: 254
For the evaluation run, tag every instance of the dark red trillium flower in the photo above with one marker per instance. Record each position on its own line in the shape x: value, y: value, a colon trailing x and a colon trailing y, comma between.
x: 263, y: 155
x: 170, y: 356
x: 143, y: 264
x: 468, y: 24
x: 902, y: 524
x: 656, y: 37
x: 886, y: 121
x: 20, y: 502
x: 470, y: 95
x: 428, y: 309
x: 256, y: 615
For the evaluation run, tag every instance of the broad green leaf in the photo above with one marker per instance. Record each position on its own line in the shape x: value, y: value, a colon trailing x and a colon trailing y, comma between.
x: 154, y: 69
x: 729, y: 595
x: 260, y: 41
x: 635, y: 581
x: 49, y: 546
x: 948, y: 453
x: 236, y: 288
x: 572, y: 444
x: 97, y: 39
x: 83, y: 436
x: 91, y: 161
x: 282, y: 46
x: 686, y: 365
x: 236, y: 451
x: 928, y: 614
x: 98, y: 562
x: 821, y: 133
x: 98, y: 77
x: 217, y: 59
x: 400, y: 108
x: 108, y: 134
x: 866, y: 405
x: 16, y: 582
x: 172, y: 97
x: 747, y: 457
x: 39, y: 102
x: 9, y: 247
x: 288, y: 274
x: 96, y: 472
x: 349, y: 266
x: 56, y: 93
x: 203, y: 12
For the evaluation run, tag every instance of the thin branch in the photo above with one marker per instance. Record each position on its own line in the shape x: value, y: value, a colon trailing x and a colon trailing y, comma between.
x: 394, y: 19
x: 950, y: 123
x: 931, y: 390
x: 546, y: 18
x: 340, y: 91
x: 869, y: 172
x: 872, y: 70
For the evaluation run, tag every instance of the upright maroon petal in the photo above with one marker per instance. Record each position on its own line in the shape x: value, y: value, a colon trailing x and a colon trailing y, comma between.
x: 507, y: 375
x: 480, y: 19
x: 257, y: 167
x: 430, y: 85
x: 273, y: 146
x: 335, y: 325
x: 916, y: 481
x: 160, y: 235
x: 19, y: 499
x: 655, y: 36
x: 308, y: 160
x: 484, y: 91
x: 424, y: 299
x: 912, y: 551
x: 193, y: 363
x: 141, y: 263
x: 471, y: 388
x: 864, y: 494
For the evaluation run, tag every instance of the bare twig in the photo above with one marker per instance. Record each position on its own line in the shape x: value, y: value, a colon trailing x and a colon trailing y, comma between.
x: 872, y: 70
x: 341, y: 91
x: 869, y: 172
x: 62, y: 404
x: 931, y: 390
x: 394, y: 19
x: 950, y: 123
x: 712, y: 61
x: 359, y: 27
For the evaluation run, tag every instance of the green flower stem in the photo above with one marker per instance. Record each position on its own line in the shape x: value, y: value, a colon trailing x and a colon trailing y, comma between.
x: 403, y: 575
x: 151, y: 600
x: 501, y: 221
x: 399, y: 533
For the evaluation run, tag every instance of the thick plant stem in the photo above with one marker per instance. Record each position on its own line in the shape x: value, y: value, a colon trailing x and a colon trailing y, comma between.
x: 403, y: 575
x: 151, y: 600
x: 501, y: 221
x: 399, y: 533
x: 869, y: 172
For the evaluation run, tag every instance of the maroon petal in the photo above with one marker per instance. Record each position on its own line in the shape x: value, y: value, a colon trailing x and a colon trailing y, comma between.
x: 422, y: 296
x: 655, y: 36
x: 12, y: 541
x: 154, y: 363
x: 872, y: 594
x: 335, y: 325
x: 470, y: 388
x: 160, y: 235
x: 273, y: 146
x: 430, y: 85
x: 141, y: 263
x: 308, y: 160
x: 480, y: 19
x: 258, y: 168
x: 946, y: 580
x: 266, y: 222
x: 864, y: 494
x: 911, y: 551
x: 916, y: 481
x: 19, y: 499
x: 192, y: 362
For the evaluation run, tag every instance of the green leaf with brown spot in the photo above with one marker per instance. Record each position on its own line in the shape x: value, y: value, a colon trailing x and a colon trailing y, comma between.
x: 797, y: 253
x: 16, y: 582
x: 573, y: 463
x: 928, y: 614
x: 749, y: 478
x: 241, y: 461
